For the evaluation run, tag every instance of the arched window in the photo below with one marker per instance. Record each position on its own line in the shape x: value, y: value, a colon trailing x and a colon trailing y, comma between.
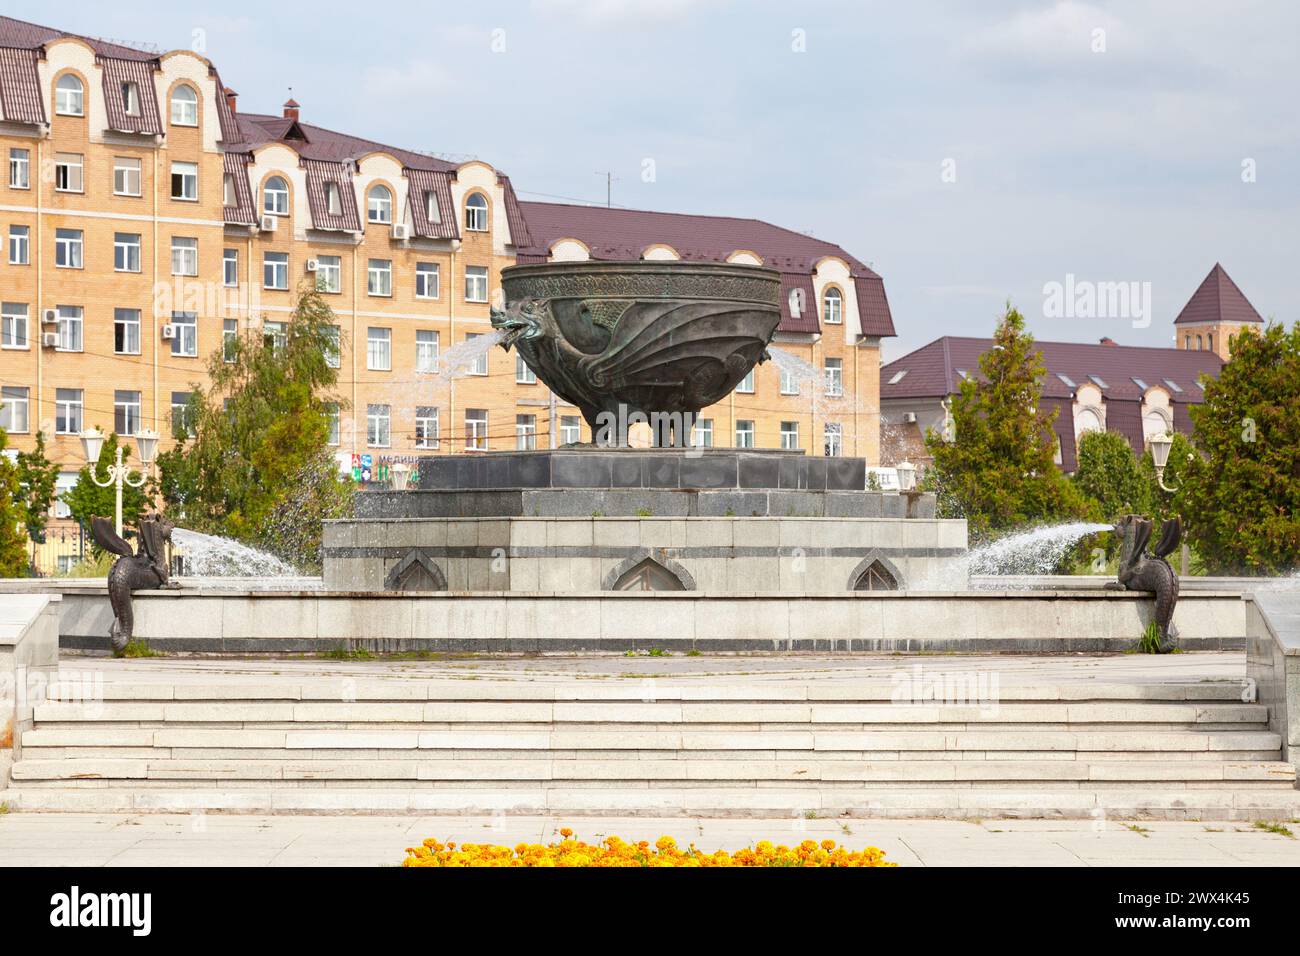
x: 1209, y: 341
x: 1199, y: 343
x: 185, y: 106
x: 69, y: 96
x: 875, y: 577
x: 275, y: 196
x: 648, y: 575
x: 832, y: 306
x: 1087, y: 421
x: 476, y: 213
x: 1187, y: 341
x: 379, y: 204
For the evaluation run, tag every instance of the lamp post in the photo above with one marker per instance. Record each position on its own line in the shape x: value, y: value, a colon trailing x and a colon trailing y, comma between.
x: 906, y: 476
x: 1160, y: 445
x: 400, y: 474
x: 92, y: 441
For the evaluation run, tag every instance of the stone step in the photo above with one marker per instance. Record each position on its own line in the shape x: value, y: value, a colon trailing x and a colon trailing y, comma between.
x: 1105, y: 806
x: 740, y: 771
x: 657, y: 712
x: 627, y: 689
x: 97, y: 735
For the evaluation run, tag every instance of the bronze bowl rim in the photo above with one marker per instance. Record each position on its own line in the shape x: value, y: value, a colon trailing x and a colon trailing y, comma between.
x: 651, y: 266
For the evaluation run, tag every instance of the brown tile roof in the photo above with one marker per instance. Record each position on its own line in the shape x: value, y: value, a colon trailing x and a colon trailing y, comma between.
x: 243, y: 212
x: 117, y: 72
x: 326, y: 144
x: 519, y: 235
x: 231, y: 134
x: 20, y: 87
x: 1218, y: 300
x: 933, y: 370
x: 29, y: 36
x: 419, y: 183
x: 1064, y: 429
x: 798, y: 303
x: 624, y: 234
x: 319, y: 174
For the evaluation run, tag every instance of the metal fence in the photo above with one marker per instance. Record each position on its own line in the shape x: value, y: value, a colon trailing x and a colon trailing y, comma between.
x: 62, y: 549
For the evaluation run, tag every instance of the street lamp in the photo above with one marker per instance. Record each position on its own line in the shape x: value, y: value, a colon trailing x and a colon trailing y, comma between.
x: 92, y: 442
x: 400, y: 474
x: 906, y: 475
x: 1160, y: 445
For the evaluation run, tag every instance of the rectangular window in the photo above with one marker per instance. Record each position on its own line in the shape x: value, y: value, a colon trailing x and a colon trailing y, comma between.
x: 185, y: 334
x: 834, y: 377
x: 790, y: 436
x: 68, y: 248
x: 68, y: 172
x: 329, y: 274
x: 126, y: 251
x: 230, y: 267
x: 746, y: 384
x: 570, y: 429
x: 378, y: 426
x: 14, y: 406
x: 68, y: 407
x: 333, y: 202
x: 182, y: 426
x: 526, y: 432
x: 523, y: 374
x: 228, y: 197
x: 379, y: 349
x: 379, y: 277
x: 130, y: 99
x: 126, y: 176
x: 20, y: 245
x: 426, y: 427
x: 702, y: 433
x: 744, y: 433
x: 126, y: 412
x: 185, y: 181
x: 789, y: 384
x: 333, y: 352
x: 275, y: 335
x: 833, y: 439
x: 476, y: 284
x: 70, y: 317
x: 275, y: 270
x: 476, y: 425
x: 426, y: 280
x: 13, y: 325
x: 229, y: 339
x: 332, y: 412
x: 20, y: 169
x: 185, y: 256
x: 126, y: 331
x: 480, y: 366
x: 426, y: 350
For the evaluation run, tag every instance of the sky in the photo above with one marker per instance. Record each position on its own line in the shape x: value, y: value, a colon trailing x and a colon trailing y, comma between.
x: 973, y: 152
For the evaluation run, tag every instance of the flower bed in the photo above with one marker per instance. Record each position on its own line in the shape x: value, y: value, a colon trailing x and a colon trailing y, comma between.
x: 614, y: 852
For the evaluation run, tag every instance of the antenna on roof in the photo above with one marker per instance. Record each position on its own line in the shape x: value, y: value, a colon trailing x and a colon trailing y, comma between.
x: 609, y: 185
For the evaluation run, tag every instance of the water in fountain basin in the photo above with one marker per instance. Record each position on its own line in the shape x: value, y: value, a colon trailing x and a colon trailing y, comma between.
x: 208, y: 555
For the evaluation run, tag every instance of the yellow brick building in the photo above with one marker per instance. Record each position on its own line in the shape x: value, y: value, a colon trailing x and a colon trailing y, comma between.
x: 145, y: 218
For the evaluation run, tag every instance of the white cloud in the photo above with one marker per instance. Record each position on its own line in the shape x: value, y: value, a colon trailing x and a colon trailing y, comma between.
x: 604, y: 13
x: 1062, y: 32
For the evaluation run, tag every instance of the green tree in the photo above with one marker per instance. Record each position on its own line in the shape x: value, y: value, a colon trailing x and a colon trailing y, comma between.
x: 86, y: 499
x: 37, y: 476
x: 1109, y: 473
x: 257, y: 450
x: 13, y: 545
x: 999, y: 471
x: 1240, y: 493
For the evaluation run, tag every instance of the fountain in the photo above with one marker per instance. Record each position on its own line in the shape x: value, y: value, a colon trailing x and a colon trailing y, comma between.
x: 212, y: 556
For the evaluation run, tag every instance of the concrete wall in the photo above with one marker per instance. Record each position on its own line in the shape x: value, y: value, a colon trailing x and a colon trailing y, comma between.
x: 1273, y: 663
x: 29, y: 654
x: 722, y: 555
x: 1042, y: 622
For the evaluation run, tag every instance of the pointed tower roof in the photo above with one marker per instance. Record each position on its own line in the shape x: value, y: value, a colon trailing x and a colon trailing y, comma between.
x: 1217, y: 300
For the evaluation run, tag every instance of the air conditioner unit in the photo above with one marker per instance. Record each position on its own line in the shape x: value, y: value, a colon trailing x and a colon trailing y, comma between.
x: 312, y: 265
x: 401, y: 230
x: 269, y: 223
x: 169, y: 331
x: 50, y: 316
x: 909, y: 417
x: 50, y: 340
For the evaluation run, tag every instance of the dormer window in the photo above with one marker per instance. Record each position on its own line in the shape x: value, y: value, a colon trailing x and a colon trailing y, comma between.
x: 379, y: 204
x: 431, y: 210
x: 1139, y: 383
x: 333, y: 203
x: 832, y: 306
x: 1069, y: 382
x: 69, y: 96
x: 476, y: 213
x: 131, y: 99
x: 275, y: 197
x: 185, y: 106
x: 1097, y: 380
x: 228, y: 190
x: 898, y: 377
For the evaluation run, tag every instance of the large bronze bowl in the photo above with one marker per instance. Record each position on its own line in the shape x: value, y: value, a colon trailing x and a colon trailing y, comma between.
x: 668, y: 337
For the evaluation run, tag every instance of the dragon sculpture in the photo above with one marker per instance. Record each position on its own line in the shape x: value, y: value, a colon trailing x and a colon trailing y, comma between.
x: 1139, y: 571
x: 133, y: 571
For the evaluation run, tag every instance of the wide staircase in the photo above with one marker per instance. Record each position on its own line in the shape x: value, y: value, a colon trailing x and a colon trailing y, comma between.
x: 170, y: 736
